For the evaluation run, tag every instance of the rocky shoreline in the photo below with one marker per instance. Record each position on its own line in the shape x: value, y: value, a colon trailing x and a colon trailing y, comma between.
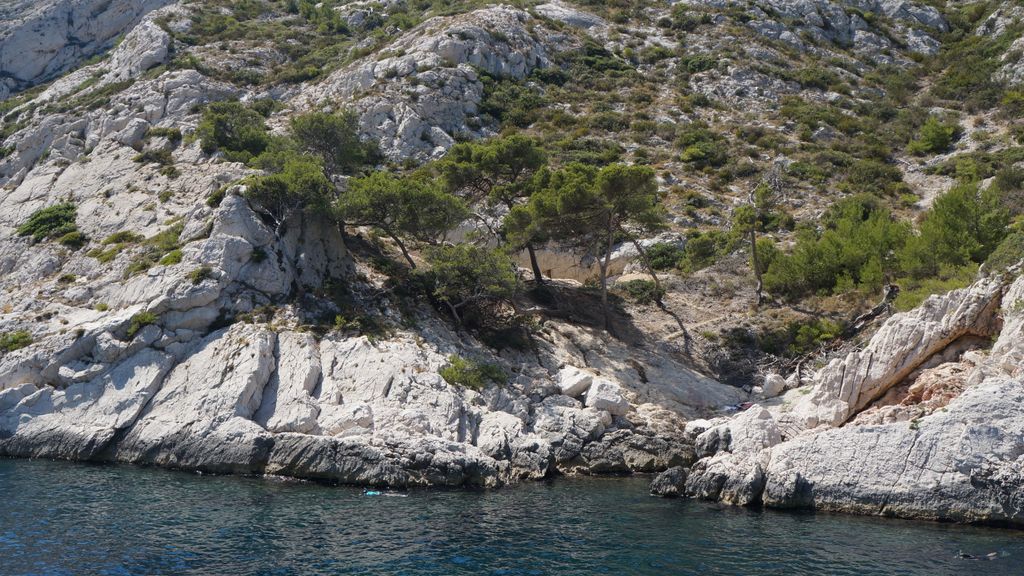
x: 960, y: 459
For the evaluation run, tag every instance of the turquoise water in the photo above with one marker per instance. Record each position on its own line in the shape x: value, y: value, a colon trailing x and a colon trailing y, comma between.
x: 62, y: 518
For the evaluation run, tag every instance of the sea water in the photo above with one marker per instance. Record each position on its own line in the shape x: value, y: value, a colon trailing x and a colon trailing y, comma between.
x: 64, y: 518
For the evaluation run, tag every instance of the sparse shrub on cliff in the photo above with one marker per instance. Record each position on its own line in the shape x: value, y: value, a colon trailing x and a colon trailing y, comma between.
x: 51, y: 222
x: 199, y: 274
x: 234, y: 129
x: 642, y: 291
x: 140, y: 321
x: 472, y: 374
x: 297, y: 185
x: 334, y: 138
x: 11, y: 341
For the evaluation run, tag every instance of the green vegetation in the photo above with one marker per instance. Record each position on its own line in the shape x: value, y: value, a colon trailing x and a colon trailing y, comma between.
x: 334, y: 138
x: 588, y: 209
x: 233, y: 128
x: 297, y: 185
x: 53, y: 222
x: 403, y: 208
x: 935, y: 137
x: 800, y: 337
x: 199, y: 274
x: 642, y: 291
x: 465, y: 277
x: 472, y: 374
x: 862, y: 247
x: 139, y: 321
x: 11, y: 341
x: 154, y: 249
x: 502, y: 173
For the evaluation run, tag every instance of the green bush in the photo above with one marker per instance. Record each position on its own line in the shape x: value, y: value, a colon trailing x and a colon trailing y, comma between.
x: 50, y: 222
x: 472, y: 374
x: 155, y: 156
x: 935, y: 137
x: 73, y: 240
x: 702, y: 147
x: 140, y: 321
x: 641, y: 291
x: 800, y: 337
x: 511, y: 102
x: 199, y: 274
x: 1009, y: 253
x: 123, y: 237
x: 468, y: 276
x: 171, y: 258
x: 855, y: 250
x: 233, y: 128
x: 172, y: 134
x: 11, y: 341
x: 664, y: 256
x: 154, y: 249
x: 703, y: 249
x: 963, y: 226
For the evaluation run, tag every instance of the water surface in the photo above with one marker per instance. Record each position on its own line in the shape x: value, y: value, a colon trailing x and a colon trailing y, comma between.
x: 63, y: 518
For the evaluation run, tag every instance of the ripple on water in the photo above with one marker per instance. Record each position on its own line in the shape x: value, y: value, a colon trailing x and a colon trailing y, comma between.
x: 61, y: 518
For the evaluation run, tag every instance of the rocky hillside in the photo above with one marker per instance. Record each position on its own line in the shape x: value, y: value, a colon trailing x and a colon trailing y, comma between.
x: 417, y: 242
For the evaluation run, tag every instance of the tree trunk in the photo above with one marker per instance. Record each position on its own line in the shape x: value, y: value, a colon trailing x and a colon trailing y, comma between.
x: 603, y: 266
x: 455, y: 313
x: 405, y: 252
x: 537, y: 275
x: 756, y: 264
x: 647, y: 264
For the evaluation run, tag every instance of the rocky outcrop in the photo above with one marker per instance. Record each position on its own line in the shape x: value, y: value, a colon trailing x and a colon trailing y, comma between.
x: 416, y: 101
x: 901, y: 346
x: 39, y: 41
x: 963, y: 462
x: 843, y: 23
x: 268, y: 397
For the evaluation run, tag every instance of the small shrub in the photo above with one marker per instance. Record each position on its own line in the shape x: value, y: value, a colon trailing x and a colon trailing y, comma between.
x: 171, y: 134
x: 1009, y: 253
x: 472, y: 374
x: 140, y: 321
x: 11, y: 341
x: 233, y: 128
x: 101, y: 307
x: 664, y: 256
x: 50, y: 222
x: 158, y: 156
x: 935, y: 138
x: 642, y: 291
x: 66, y: 279
x: 199, y: 274
x: 123, y: 237
x: 73, y: 240
x: 216, y: 197
x: 171, y: 258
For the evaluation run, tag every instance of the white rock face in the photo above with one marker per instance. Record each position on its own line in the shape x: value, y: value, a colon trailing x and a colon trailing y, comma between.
x: 44, y: 39
x: 901, y: 345
x: 964, y: 462
x: 415, y: 104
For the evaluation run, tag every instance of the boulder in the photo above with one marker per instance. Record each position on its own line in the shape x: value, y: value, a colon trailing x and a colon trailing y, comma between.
x: 572, y: 381
x: 606, y: 395
x: 671, y: 483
